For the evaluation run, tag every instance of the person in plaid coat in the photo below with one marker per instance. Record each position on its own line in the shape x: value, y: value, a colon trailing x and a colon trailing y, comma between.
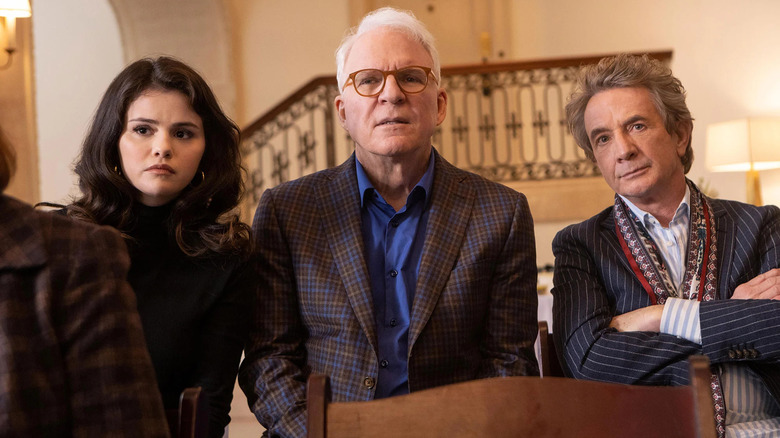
x: 73, y: 360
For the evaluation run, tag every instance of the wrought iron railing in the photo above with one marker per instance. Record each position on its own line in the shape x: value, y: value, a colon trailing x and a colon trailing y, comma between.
x: 504, y: 121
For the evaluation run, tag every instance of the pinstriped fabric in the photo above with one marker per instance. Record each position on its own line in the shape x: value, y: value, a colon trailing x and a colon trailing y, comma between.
x: 752, y: 411
x: 754, y: 429
x: 593, y: 282
x: 73, y: 360
x: 473, y: 315
x: 750, y: 408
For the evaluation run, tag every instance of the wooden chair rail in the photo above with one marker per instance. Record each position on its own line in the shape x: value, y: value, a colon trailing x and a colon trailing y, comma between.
x: 522, y: 406
x: 551, y: 366
x: 191, y: 420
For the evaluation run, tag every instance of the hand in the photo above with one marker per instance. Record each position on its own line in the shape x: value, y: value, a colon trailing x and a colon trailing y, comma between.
x: 646, y: 319
x: 763, y: 287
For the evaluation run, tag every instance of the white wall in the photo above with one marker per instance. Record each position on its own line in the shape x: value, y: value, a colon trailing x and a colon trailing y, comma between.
x: 77, y: 52
x: 283, y: 45
x: 726, y: 53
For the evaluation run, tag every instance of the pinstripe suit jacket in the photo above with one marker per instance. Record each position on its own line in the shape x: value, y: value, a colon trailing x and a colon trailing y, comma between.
x: 594, y: 282
x: 73, y: 361
x: 473, y: 313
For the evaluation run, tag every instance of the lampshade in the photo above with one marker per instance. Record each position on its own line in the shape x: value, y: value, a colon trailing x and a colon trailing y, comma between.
x: 15, y: 8
x: 743, y: 145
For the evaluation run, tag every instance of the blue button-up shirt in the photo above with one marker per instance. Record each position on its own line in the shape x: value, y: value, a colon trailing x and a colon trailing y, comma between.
x: 394, y: 243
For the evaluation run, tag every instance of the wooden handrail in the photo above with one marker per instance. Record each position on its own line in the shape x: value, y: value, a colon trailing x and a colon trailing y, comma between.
x: 445, y: 71
x: 539, y: 64
x: 287, y: 103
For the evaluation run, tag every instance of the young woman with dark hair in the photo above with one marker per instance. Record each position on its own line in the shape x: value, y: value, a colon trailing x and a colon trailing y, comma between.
x: 161, y: 164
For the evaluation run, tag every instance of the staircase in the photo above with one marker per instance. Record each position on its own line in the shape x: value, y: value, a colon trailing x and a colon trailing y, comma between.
x: 505, y: 121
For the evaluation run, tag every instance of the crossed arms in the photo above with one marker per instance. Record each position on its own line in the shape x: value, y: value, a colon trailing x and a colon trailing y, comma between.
x: 607, y: 328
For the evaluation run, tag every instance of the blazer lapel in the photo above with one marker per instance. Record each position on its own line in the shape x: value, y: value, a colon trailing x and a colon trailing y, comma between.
x: 448, y: 217
x: 727, y: 232
x: 339, y: 204
x: 609, y: 235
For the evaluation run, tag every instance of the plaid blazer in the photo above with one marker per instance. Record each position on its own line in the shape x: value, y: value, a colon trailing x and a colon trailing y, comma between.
x: 594, y: 282
x: 473, y: 313
x: 73, y: 360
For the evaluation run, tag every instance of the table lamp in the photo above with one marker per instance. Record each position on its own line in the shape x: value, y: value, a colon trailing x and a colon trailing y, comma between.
x: 745, y: 145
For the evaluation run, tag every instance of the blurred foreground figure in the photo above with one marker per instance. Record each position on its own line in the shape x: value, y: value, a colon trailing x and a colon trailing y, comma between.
x: 73, y: 361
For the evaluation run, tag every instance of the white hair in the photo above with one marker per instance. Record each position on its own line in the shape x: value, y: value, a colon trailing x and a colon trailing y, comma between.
x: 404, y: 21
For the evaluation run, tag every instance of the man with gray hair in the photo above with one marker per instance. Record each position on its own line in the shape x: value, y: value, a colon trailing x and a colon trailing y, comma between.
x: 395, y: 271
x: 666, y: 272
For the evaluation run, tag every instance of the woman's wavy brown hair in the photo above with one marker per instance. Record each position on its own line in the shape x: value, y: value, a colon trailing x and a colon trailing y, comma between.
x: 203, y: 217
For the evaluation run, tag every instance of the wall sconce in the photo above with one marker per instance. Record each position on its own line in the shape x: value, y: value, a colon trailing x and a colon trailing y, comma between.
x: 745, y: 145
x: 11, y: 9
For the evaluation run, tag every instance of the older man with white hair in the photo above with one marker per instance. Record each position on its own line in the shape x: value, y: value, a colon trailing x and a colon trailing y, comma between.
x: 394, y: 271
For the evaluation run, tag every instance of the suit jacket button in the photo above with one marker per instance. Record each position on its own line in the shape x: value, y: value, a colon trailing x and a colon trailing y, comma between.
x: 384, y: 363
x: 753, y: 353
x: 369, y: 382
x: 732, y: 354
x: 739, y: 353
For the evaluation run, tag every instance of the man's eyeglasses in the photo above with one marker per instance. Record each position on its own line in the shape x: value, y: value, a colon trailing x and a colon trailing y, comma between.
x: 370, y: 82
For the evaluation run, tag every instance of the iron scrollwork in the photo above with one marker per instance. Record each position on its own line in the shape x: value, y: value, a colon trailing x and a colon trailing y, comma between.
x: 504, y: 124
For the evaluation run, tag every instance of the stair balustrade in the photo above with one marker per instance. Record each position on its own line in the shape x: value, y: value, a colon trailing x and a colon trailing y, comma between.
x: 505, y: 121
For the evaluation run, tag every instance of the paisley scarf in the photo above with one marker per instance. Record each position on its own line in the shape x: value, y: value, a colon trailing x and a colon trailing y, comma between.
x: 699, y: 279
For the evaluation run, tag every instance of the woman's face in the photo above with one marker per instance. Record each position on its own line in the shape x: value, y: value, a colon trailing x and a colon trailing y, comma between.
x: 161, y: 145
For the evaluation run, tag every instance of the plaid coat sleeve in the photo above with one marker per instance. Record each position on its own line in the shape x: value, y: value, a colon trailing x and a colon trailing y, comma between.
x: 510, y: 322
x: 272, y: 374
x: 75, y: 356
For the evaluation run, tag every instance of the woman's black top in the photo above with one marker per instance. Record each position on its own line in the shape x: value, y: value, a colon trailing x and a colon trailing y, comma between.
x: 195, y: 313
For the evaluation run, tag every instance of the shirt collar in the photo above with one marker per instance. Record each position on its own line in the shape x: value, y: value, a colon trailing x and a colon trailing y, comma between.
x: 683, y: 210
x: 425, y: 183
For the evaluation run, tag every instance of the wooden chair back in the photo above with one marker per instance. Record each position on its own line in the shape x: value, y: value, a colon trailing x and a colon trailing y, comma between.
x: 191, y: 420
x: 550, y: 365
x: 522, y: 407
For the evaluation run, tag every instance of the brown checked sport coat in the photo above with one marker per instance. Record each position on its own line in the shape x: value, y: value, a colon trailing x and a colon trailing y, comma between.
x: 473, y: 313
x: 73, y: 361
